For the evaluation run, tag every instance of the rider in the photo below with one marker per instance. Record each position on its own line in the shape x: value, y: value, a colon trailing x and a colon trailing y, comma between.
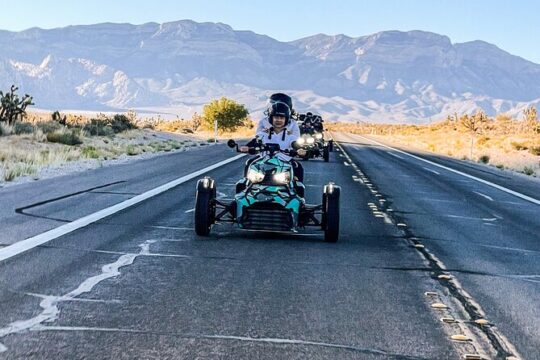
x: 317, y: 124
x: 279, y: 116
x: 265, y: 124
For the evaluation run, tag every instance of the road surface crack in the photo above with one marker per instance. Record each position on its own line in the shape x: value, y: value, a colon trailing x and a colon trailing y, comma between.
x: 22, y: 210
x: 278, y: 341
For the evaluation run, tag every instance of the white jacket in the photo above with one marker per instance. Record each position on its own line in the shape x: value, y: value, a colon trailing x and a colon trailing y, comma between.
x: 264, y: 124
x: 285, y: 138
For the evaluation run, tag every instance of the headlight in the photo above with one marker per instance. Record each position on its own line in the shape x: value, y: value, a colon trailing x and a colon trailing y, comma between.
x: 310, y: 140
x: 300, y: 141
x: 282, y: 177
x: 318, y: 136
x: 255, y: 176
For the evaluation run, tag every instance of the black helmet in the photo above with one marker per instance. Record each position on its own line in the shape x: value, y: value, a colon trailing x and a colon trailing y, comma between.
x: 281, y: 109
x: 281, y: 97
x: 309, y: 114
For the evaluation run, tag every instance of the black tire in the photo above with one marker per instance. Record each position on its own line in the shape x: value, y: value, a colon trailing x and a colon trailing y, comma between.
x: 205, y: 208
x: 326, y: 154
x: 331, y: 214
x: 331, y: 145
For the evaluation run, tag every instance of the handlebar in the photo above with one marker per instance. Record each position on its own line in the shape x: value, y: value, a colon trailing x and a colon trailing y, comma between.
x: 260, y: 147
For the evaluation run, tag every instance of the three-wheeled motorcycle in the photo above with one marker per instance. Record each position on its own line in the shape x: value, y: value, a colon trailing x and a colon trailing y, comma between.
x: 268, y: 198
x: 315, y: 145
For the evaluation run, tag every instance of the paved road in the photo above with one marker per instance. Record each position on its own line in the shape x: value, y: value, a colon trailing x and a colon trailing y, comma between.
x: 140, y: 284
x: 32, y: 208
x: 487, y: 239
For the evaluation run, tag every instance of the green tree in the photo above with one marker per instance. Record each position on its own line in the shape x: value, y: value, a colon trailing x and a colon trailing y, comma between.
x: 229, y: 114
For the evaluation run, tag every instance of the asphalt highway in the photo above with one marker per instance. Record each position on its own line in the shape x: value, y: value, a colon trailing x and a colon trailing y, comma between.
x: 139, y: 284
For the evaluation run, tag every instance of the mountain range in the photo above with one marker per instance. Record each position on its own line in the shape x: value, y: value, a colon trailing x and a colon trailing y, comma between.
x: 175, y: 68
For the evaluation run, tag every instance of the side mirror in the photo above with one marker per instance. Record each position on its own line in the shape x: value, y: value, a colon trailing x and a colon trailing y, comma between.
x: 231, y: 143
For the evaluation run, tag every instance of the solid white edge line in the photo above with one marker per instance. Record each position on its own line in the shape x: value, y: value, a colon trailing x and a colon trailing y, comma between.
x: 30, y: 243
x: 502, y: 188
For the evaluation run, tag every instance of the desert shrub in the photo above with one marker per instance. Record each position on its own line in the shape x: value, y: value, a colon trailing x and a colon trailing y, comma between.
x: 106, y: 126
x: 527, y: 170
x: 535, y: 150
x: 177, y: 144
x: 482, y: 140
x: 518, y: 146
x: 147, y: 125
x: 131, y: 150
x: 20, y: 127
x: 66, y: 137
x: 121, y: 123
x: 90, y: 152
x: 16, y: 170
x: 98, y: 127
x: 48, y: 126
x: 171, y: 126
x: 484, y: 159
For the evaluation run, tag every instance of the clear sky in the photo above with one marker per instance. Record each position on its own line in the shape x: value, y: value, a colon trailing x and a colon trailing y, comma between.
x: 513, y: 25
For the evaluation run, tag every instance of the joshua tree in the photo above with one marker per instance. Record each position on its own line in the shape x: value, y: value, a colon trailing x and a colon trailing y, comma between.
x: 531, y: 119
x: 13, y: 108
x: 56, y: 116
x: 474, y: 125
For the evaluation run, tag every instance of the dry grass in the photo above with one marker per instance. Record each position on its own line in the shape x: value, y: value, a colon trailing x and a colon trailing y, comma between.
x: 39, y: 143
x: 510, y: 145
x: 26, y: 155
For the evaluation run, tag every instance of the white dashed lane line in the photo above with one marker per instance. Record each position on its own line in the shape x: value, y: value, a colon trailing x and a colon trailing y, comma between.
x: 430, y: 170
x: 395, y: 155
x: 483, y: 195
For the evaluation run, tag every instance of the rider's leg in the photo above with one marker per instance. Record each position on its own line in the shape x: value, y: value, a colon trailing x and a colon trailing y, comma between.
x: 298, y: 170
